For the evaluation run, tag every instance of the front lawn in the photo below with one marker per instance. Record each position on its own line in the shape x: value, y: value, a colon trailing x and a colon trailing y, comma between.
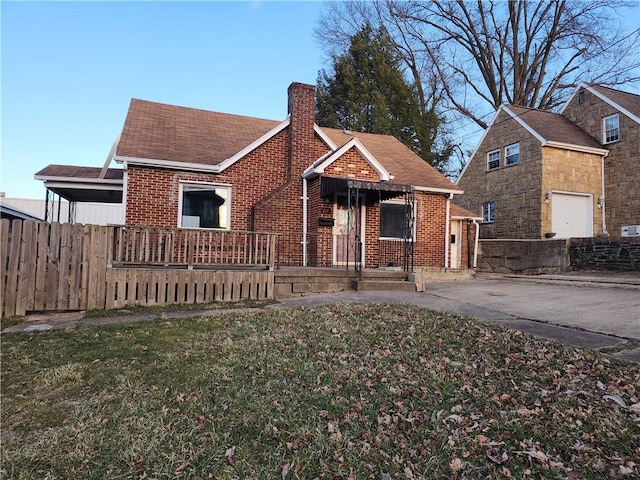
x: 333, y: 392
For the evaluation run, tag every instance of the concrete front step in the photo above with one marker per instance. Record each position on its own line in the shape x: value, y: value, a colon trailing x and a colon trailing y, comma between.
x: 384, y: 285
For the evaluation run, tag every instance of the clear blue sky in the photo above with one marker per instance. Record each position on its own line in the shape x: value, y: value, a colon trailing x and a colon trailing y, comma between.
x: 70, y: 69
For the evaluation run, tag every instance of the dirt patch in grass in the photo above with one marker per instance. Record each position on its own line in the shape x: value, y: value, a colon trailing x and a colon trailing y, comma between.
x: 338, y: 391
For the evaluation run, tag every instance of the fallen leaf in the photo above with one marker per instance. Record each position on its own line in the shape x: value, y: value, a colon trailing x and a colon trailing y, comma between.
x: 497, y: 455
x: 455, y: 464
x: 615, y: 398
x: 229, y: 455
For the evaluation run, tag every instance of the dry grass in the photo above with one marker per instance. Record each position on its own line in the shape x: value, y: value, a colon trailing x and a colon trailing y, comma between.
x: 342, y: 391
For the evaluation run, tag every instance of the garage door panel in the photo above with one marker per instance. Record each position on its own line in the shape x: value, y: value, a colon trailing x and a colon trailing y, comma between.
x: 571, y: 215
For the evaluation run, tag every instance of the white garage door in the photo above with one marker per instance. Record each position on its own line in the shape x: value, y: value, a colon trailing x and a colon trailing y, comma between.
x: 571, y: 215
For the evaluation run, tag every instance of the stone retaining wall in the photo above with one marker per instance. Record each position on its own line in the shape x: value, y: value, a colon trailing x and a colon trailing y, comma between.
x: 556, y: 256
x: 523, y: 256
x: 605, y: 254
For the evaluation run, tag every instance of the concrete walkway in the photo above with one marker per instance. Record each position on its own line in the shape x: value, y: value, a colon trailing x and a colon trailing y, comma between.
x: 586, y: 309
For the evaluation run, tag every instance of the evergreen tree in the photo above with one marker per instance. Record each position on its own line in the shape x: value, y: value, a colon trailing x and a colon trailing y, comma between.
x: 368, y: 92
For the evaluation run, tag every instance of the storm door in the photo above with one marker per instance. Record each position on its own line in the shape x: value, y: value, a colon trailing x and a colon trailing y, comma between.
x: 348, y: 241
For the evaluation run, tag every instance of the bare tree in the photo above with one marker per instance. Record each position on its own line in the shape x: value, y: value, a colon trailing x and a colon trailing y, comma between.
x: 479, y: 55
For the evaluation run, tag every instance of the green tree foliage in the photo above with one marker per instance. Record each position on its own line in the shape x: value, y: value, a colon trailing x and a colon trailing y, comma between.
x: 368, y: 92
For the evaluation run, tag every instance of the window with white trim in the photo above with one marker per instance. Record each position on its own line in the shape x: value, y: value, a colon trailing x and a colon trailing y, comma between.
x: 611, y: 125
x: 488, y: 212
x: 204, y: 205
x: 512, y: 154
x: 393, y: 220
x: 493, y: 160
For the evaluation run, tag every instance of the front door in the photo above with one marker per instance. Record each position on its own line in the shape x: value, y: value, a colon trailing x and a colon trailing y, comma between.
x: 456, y: 233
x: 348, y: 241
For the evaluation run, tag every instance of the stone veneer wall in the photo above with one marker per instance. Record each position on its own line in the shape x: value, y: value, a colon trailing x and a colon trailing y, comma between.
x: 622, y: 166
x: 605, y: 254
x: 515, y: 189
x: 570, y: 171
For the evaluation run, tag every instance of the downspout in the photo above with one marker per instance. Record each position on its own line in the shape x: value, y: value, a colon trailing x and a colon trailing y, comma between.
x: 475, y: 249
x: 602, y: 197
x: 304, y: 222
x: 447, y: 232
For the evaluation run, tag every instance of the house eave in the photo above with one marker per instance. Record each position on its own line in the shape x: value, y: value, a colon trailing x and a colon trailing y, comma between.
x: 438, y: 190
x: 577, y: 148
x: 169, y: 164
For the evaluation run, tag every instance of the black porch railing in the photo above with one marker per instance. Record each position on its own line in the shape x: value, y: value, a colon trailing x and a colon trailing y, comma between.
x: 322, y: 252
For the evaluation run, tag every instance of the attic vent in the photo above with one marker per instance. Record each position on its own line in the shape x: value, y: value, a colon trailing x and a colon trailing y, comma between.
x: 346, y: 132
x: 631, y: 231
x: 581, y: 96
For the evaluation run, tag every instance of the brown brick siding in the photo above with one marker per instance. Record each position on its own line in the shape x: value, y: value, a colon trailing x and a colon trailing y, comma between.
x: 266, y: 192
x: 352, y: 165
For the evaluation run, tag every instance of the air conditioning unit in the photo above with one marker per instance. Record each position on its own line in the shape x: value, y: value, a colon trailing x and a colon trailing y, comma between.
x: 631, y: 231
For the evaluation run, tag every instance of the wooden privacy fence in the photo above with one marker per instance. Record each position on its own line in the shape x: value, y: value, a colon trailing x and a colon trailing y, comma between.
x: 52, y: 266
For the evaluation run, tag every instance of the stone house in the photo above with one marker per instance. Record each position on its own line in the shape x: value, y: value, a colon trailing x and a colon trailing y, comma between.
x: 612, y: 117
x: 335, y: 197
x: 537, y: 174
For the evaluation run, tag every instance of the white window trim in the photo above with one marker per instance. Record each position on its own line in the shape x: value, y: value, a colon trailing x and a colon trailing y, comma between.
x: 506, y: 155
x: 181, y: 185
x: 413, y: 214
x: 604, y: 128
x: 499, y: 159
x: 494, y: 212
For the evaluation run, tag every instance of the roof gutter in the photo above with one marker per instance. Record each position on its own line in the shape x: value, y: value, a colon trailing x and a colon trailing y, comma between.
x: 170, y: 164
x: 439, y: 190
x: 576, y: 148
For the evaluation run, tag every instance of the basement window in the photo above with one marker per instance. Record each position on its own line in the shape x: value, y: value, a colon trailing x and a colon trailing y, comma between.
x: 204, y: 205
x: 488, y: 212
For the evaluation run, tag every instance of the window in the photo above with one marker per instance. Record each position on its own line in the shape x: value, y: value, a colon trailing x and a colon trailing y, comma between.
x: 611, y: 129
x: 488, y: 212
x: 512, y: 154
x: 393, y: 220
x: 493, y: 160
x: 204, y: 206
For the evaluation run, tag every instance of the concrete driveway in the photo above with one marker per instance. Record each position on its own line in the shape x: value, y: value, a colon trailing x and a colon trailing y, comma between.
x: 601, y: 308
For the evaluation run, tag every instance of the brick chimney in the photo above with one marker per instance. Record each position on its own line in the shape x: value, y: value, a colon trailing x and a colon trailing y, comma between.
x: 302, y: 109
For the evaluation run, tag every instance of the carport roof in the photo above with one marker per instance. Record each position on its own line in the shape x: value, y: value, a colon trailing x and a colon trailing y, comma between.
x: 83, y: 184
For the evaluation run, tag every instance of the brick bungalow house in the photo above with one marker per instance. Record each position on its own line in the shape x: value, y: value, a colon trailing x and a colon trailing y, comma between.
x: 336, y: 197
x: 537, y: 174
